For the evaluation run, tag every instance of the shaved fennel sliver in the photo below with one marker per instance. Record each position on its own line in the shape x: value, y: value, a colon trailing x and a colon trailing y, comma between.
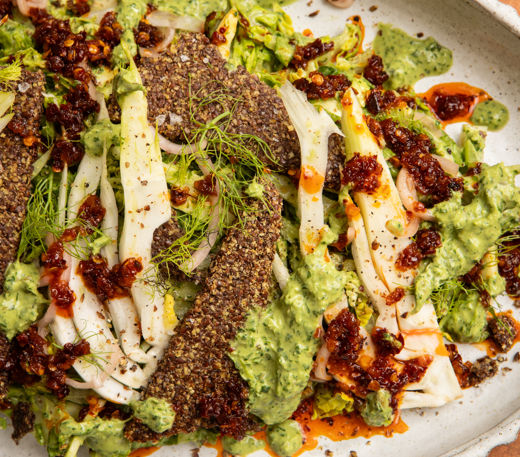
x: 5, y: 120
x: 147, y: 206
x: 421, y: 332
x: 6, y: 101
x: 313, y: 129
x: 229, y: 24
x: 383, y: 205
x: 122, y: 310
x: 374, y: 287
x: 88, y: 317
x: 64, y: 332
x: 280, y: 271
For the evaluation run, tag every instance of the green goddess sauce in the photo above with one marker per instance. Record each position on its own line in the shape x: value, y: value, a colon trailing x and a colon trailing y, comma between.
x: 274, y: 350
x: 20, y: 303
x: 286, y: 438
x: 407, y: 59
x: 469, y: 230
x: 245, y: 446
x: 156, y: 413
x: 490, y: 113
x: 202, y: 8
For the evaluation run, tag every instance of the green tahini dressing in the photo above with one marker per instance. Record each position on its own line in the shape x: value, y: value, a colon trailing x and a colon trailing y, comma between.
x: 243, y: 447
x: 490, y: 113
x: 202, y: 8
x: 286, y: 438
x: 377, y: 411
x: 104, y: 437
x: 156, y: 413
x: 466, y: 320
x: 20, y: 303
x: 468, y: 231
x: 274, y: 349
x: 407, y: 59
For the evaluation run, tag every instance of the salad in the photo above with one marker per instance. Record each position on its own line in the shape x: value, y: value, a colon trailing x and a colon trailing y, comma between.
x: 217, y: 229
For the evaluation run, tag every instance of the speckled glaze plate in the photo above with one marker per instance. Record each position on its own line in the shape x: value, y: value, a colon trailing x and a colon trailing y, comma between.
x: 486, y: 54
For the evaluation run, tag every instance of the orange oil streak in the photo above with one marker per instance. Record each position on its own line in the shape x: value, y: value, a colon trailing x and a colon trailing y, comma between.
x: 143, y: 452
x: 440, y: 349
x: 421, y: 331
x: 337, y: 428
x: 311, y: 180
x: 65, y: 312
x: 341, y: 428
x: 217, y: 446
x: 456, y: 88
x: 357, y: 20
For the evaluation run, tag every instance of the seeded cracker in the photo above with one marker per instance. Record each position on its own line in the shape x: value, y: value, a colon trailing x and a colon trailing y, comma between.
x: 15, y: 180
x: 195, y: 374
x: 163, y: 237
x: 196, y: 65
x: 16, y: 164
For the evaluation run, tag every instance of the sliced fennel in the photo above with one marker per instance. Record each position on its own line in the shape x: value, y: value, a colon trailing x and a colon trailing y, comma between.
x: 65, y: 332
x: 122, y: 310
x: 420, y: 329
x: 382, y: 206
x: 313, y: 129
x: 6, y: 101
x: 89, y: 318
x: 147, y: 205
x: 374, y: 287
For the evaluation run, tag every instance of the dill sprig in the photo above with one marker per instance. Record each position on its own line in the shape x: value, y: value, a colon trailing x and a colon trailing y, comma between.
x: 509, y: 242
x: 444, y: 297
x: 42, y: 214
x: 235, y: 163
x: 42, y: 218
x: 194, y: 225
x: 11, y: 73
x: 235, y: 156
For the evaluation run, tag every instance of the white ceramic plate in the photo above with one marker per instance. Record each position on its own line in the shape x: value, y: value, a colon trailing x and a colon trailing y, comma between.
x: 486, y: 54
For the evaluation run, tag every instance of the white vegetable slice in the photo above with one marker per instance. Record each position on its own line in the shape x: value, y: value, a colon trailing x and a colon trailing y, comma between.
x: 408, y: 194
x: 383, y: 205
x: 64, y: 332
x: 313, y: 129
x: 6, y: 101
x: 174, y: 148
x: 89, y: 316
x: 4, y: 120
x: 420, y: 330
x: 374, y: 287
x: 280, y: 271
x: 147, y: 206
x: 168, y: 20
x: 26, y: 5
x: 122, y: 310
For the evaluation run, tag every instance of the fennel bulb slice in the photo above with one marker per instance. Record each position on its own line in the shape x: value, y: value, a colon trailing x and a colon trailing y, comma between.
x: 380, y: 207
x: 147, y: 206
x: 88, y: 316
x: 313, y: 129
x: 64, y: 332
x: 122, y: 309
x: 419, y: 328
